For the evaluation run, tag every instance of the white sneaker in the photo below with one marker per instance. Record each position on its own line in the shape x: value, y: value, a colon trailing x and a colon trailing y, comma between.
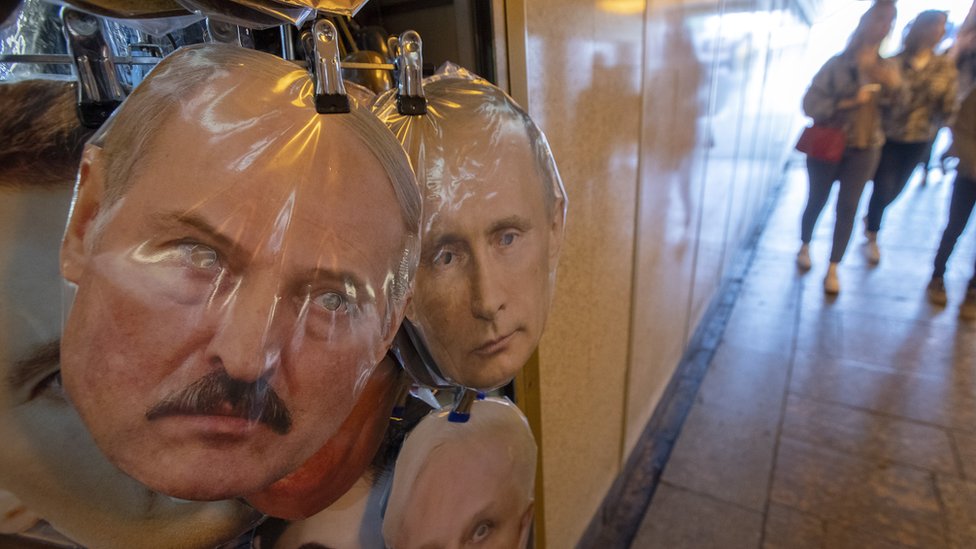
x: 872, y: 252
x: 803, y: 257
x: 831, y: 282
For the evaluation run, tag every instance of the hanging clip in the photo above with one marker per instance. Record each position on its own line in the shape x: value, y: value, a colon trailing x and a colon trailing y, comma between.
x: 322, y: 54
x: 99, y: 89
x: 410, y: 63
x: 461, y: 412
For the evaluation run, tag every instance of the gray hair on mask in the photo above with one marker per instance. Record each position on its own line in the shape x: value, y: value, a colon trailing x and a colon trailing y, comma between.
x: 460, y: 101
x: 180, y: 77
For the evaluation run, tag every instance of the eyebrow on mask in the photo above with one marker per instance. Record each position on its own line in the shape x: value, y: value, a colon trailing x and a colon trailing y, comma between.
x: 438, y: 240
x: 235, y: 250
x: 513, y: 221
x: 39, y: 361
x: 197, y: 222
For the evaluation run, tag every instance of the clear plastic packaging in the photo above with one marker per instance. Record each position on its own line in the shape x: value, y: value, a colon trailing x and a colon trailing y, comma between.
x: 253, y: 14
x: 494, y: 212
x: 470, y: 482
x: 338, y: 7
x: 241, y: 264
x: 34, y: 28
x: 129, y: 9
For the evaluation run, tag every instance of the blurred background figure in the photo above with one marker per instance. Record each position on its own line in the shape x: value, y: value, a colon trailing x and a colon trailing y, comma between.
x: 848, y: 92
x: 963, y: 52
x: 960, y: 208
x: 911, y: 124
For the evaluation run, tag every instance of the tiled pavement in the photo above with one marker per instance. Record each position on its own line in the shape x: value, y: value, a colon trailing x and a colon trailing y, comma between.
x: 845, y: 422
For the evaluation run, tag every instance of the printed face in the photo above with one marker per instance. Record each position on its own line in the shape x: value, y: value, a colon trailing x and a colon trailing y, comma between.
x: 232, y: 303
x: 463, y: 499
x: 31, y: 226
x: 37, y: 423
x: 488, y: 251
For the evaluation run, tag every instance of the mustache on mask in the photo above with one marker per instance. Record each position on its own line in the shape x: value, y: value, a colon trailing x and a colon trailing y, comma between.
x: 211, y: 394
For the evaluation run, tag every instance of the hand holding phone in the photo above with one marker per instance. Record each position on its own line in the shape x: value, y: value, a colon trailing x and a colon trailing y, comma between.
x: 867, y: 92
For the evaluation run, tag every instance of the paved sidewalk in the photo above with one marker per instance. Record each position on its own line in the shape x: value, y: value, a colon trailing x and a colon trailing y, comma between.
x: 845, y: 422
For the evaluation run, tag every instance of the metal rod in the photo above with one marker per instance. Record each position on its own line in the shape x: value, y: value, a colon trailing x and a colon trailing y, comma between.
x: 367, y: 66
x: 61, y: 59
x: 288, y: 42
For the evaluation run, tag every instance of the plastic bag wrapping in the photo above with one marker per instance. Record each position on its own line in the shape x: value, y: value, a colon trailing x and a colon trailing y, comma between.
x: 352, y: 521
x: 471, y: 482
x: 355, y: 519
x: 363, y: 96
x: 175, y: 28
x: 494, y: 211
x: 49, y: 465
x: 254, y: 14
x: 128, y: 9
x: 338, y: 7
x: 157, y: 17
x: 241, y: 265
x: 34, y: 28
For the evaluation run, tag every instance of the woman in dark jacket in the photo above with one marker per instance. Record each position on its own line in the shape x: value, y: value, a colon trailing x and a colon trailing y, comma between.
x: 849, y: 92
x: 911, y: 124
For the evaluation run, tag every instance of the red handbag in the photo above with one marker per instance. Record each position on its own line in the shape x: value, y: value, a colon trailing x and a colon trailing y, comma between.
x: 826, y: 143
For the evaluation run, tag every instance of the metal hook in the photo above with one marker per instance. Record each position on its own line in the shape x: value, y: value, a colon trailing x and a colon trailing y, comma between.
x: 322, y: 55
x: 410, y: 62
x: 393, y: 47
x: 99, y: 89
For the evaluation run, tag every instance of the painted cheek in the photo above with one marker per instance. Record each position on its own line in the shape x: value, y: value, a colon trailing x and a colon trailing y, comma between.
x: 332, y: 470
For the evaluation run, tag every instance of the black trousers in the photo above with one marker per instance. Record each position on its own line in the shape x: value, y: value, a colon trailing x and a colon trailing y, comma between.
x: 898, y: 161
x: 960, y: 210
x: 852, y: 172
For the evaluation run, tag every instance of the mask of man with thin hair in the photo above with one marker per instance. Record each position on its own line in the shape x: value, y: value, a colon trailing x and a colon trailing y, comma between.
x: 242, y: 264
